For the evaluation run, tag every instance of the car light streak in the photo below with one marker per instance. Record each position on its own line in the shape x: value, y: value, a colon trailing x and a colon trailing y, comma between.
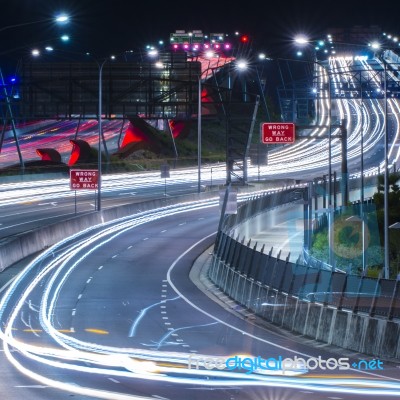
x: 132, y: 331
x: 75, y: 355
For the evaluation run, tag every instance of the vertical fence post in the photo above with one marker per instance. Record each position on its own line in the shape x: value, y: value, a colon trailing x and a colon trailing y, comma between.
x: 393, y: 301
x: 374, y: 300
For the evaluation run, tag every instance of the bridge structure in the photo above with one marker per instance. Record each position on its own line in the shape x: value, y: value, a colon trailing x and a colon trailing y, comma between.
x: 165, y: 88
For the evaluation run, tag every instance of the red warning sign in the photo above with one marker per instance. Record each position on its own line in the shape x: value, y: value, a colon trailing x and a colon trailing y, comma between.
x: 84, y: 179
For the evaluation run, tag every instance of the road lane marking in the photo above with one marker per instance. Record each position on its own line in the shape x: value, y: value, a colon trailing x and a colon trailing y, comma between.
x: 98, y: 331
x: 32, y: 386
x: 218, y: 320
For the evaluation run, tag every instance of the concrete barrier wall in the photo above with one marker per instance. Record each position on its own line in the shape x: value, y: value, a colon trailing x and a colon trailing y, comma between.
x: 18, y: 247
x: 378, y: 337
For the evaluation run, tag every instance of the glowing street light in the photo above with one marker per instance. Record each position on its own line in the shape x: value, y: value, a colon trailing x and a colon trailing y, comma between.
x: 303, y: 40
x: 61, y: 19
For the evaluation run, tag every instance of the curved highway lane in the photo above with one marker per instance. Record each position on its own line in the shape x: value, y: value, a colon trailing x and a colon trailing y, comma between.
x: 112, y: 314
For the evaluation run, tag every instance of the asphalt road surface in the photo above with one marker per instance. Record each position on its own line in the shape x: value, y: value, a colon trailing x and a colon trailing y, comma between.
x: 113, y: 314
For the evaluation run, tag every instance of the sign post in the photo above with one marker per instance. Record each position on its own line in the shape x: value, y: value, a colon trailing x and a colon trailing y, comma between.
x: 164, y: 169
x: 83, y: 179
x: 277, y: 132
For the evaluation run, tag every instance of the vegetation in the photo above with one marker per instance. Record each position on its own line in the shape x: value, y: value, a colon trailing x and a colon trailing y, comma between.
x: 347, y: 234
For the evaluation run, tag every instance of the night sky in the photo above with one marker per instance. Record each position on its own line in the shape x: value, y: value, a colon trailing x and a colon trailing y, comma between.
x: 112, y: 26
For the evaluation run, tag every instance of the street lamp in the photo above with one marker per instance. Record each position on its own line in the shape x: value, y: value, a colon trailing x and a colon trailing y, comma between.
x: 199, y: 135
x: 100, y: 64
x: 212, y: 66
x: 302, y: 40
x: 61, y: 19
x: 376, y: 46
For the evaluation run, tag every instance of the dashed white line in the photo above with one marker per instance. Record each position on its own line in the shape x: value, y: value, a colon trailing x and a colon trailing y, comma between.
x: 113, y: 380
x: 115, y: 255
x: 101, y: 266
x: 164, y: 231
x: 31, y: 386
x: 80, y: 296
x: 88, y: 281
x: 145, y: 238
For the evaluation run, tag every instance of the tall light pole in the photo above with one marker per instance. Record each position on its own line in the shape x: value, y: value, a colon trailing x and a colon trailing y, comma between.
x: 302, y: 40
x: 199, y: 135
x: 203, y: 72
x: 100, y: 126
x: 376, y: 46
x: 386, y: 177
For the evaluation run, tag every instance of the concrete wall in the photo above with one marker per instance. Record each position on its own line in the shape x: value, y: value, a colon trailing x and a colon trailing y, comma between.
x: 375, y: 336
x: 18, y: 247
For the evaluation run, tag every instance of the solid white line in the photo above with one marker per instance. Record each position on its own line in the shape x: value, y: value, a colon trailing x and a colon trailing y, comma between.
x: 4, y: 287
x: 295, y: 352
